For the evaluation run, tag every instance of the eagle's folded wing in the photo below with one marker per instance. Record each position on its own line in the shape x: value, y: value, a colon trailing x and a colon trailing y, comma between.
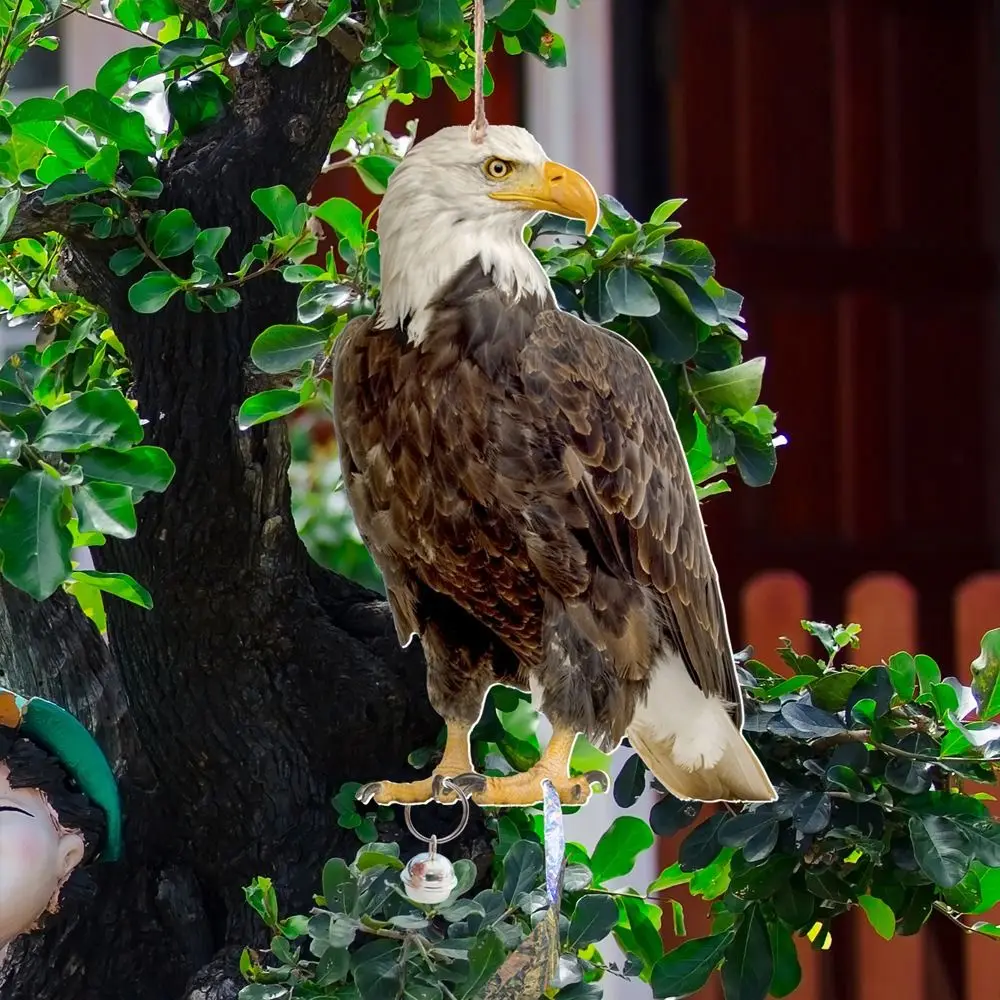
x: 598, y: 394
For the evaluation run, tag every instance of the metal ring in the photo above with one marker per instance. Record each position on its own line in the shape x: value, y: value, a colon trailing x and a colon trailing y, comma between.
x: 462, y: 798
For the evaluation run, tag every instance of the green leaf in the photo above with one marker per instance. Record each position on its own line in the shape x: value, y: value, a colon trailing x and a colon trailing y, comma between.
x: 617, y: 850
x: 103, y: 165
x: 146, y: 187
x: 809, y: 721
x: 71, y: 186
x: 879, y: 915
x: 284, y: 347
x: 440, y: 21
x: 644, y: 921
x: 375, y: 171
x: 755, y: 457
x: 8, y: 209
x: 145, y: 469
x: 596, y: 300
x: 340, y: 887
x: 812, y: 813
x: 671, y: 814
x: 746, y: 974
x: 523, y: 866
x: 686, y: 969
x: 903, y: 674
x: 631, y: 294
x: 260, y: 991
x: 941, y: 849
x: 115, y: 73
x: 787, y: 973
x: 127, y: 129
x: 91, y: 603
x: 209, y: 242
x: 36, y: 109
x: 593, y: 919
x: 175, y: 233
x: 99, y: 417
x: 485, y: 957
x: 333, y: 966
x: 153, y: 291
x: 986, y: 676
x: 344, y: 217
x: 34, y: 542
x: 278, y: 206
x: 293, y: 52
x: 186, y: 50
x: 119, y: 584
x: 701, y: 846
x: 983, y: 836
x: 378, y: 973
x: 125, y: 260
x: 928, y: 673
x: 266, y: 406
x: 691, y: 257
x: 631, y: 782
x: 665, y: 209
x: 197, y: 100
x: 106, y: 508
x: 736, y: 388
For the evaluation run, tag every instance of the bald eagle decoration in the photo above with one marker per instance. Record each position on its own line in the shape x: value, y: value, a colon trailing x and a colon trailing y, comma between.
x: 518, y: 479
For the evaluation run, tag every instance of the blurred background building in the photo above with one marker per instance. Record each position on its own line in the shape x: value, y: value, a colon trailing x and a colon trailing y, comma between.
x: 840, y: 158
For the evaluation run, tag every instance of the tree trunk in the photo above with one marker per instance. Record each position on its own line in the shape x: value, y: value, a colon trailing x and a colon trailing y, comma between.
x: 258, y: 683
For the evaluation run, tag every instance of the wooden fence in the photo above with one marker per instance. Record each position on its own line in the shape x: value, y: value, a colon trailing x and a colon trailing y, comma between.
x: 940, y: 963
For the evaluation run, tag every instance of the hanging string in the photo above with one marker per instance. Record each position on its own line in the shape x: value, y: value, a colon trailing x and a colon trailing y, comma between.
x: 477, y: 130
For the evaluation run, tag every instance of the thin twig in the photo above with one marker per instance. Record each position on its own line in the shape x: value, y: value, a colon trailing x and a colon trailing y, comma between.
x: 104, y: 20
x: 946, y: 910
x: 702, y: 412
x: 148, y: 251
x: 20, y: 275
x: 5, y: 70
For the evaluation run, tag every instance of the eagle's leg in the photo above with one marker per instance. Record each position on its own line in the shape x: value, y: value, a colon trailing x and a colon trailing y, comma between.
x: 525, y: 789
x: 456, y: 760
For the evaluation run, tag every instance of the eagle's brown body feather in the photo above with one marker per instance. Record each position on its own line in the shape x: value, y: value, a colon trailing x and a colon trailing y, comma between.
x: 519, y: 481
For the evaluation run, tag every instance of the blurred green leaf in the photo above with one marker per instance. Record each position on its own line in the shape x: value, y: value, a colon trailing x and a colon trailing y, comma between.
x: 266, y: 406
x: 97, y: 418
x: 34, y: 541
x: 119, y: 584
x: 986, y: 676
x: 879, y: 915
x: 617, y: 850
x: 685, y: 970
x: 284, y: 347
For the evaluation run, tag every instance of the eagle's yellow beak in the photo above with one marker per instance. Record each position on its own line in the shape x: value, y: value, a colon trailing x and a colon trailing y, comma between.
x: 556, y: 189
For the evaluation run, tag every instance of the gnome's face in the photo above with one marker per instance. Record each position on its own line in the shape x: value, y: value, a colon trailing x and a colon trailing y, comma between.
x: 37, y: 855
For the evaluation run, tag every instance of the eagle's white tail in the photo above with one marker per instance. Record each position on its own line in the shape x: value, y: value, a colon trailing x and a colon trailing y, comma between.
x: 691, y: 744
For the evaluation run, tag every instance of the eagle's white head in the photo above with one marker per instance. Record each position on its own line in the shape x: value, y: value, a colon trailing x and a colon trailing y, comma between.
x: 452, y: 199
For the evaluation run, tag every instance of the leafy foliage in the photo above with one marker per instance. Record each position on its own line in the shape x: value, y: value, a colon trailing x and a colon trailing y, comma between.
x: 871, y: 815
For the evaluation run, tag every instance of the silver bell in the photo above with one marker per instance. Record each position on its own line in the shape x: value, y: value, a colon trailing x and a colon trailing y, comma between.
x: 428, y: 877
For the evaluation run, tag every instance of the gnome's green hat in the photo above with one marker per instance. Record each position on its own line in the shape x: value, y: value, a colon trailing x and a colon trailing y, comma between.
x: 65, y: 737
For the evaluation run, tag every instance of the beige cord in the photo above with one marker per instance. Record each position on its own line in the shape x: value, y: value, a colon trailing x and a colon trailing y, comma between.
x: 477, y: 130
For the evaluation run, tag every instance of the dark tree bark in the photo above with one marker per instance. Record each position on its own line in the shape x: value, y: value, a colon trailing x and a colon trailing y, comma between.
x: 258, y: 683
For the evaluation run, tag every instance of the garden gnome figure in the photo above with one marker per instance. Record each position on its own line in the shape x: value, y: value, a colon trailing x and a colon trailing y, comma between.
x: 59, y: 811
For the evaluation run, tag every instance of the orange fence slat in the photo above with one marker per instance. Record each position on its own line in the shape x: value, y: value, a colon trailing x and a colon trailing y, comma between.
x: 885, y: 605
x: 773, y: 604
x: 977, y: 610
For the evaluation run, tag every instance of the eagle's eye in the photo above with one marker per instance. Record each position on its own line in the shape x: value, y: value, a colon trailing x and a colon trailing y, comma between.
x: 497, y: 169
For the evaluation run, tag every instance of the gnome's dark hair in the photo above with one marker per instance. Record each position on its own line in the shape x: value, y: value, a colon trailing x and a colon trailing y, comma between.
x: 33, y: 766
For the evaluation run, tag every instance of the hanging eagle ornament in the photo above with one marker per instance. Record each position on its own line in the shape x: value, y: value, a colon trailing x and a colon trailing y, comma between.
x: 517, y: 477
